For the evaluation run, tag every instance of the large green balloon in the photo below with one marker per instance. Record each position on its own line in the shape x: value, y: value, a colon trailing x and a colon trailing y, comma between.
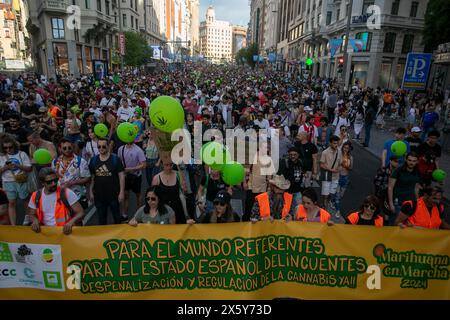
x: 215, y: 155
x: 97, y: 84
x: 126, y: 132
x: 439, y: 175
x: 166, y: 114
x: 233, y: 173
x: 101, y: 130
x: 116, y: 79
x: 399, y: 148
x: 42, y: 156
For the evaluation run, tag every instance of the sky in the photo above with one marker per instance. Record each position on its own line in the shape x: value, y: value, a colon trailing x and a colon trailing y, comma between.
x: 234, y: 11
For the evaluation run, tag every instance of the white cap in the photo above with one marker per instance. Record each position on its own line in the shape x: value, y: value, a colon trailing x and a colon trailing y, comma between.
x: 416, y: 129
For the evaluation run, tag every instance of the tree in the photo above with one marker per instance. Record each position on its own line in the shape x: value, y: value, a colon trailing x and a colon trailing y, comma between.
x: 241, y: 56
x: 252, y: 50
x: 436, y: 29
x: 137, y: 51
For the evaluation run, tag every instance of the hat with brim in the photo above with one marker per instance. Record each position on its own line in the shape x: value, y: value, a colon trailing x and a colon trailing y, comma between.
x: 280, y: 182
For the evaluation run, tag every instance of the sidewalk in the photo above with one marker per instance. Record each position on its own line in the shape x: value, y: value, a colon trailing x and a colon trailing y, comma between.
x: 378, y: 137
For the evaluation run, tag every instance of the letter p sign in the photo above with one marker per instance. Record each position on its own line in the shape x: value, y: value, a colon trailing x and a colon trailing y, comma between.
x: 419, y: 65
x: 74, y: 19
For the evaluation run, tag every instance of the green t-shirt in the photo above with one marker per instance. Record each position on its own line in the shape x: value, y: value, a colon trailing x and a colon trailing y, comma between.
x: 405, y: 185
x: 141, y: 217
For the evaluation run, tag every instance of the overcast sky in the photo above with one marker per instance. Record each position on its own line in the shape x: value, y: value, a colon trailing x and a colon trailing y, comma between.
x: 234, y: 11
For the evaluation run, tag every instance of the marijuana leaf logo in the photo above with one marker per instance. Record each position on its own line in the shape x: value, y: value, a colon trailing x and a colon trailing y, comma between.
x: 161, y: 121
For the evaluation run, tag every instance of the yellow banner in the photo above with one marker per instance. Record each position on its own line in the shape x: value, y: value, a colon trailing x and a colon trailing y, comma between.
x: 225, y: 261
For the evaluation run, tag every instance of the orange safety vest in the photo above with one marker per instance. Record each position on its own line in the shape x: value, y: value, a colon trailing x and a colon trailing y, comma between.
x: 301, y: 214
x: 422, y: 218
x: 264, y: 205
x: 354, y: 218
x: 62, y: 213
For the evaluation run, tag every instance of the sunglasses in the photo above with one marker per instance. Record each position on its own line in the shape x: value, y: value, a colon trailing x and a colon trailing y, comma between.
x: 371, y: 207
x: 220, y: 203
x: 8, y: 147
x: 51, y: 181
x: 67, y: 148
x: 151, y: 199
x: 102, y: 147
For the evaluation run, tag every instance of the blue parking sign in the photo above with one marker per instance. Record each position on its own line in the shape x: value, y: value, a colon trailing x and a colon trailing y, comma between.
x: 416, y: 71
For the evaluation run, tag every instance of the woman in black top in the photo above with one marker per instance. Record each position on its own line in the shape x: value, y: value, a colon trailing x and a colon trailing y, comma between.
x: 170, y: 190
x: 369, y: 213
x: 222, y: 211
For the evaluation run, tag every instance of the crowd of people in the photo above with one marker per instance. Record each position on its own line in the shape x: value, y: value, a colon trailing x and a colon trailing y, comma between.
x: 318, y: 125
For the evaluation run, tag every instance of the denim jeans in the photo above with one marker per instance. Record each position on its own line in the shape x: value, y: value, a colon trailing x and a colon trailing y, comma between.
x: 368, y: 128
x: 151, y: 170
x: 102, y: 211
x: 343, y: 184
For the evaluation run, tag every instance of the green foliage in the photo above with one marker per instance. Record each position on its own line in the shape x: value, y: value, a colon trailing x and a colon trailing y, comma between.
x: 247, y: 54
x: 436, y: 29
x: 137, y: 51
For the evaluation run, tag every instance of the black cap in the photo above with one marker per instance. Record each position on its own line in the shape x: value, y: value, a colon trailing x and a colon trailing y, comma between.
x: 223, y: 196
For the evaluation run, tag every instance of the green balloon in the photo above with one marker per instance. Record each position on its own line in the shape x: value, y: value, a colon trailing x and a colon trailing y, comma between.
x: 126, y: 132
x: 116, y: 79
x: 101, y: 130
x: 166, y: 114
x: 399, y: 148
x: 233, y: 173
x: 42, y: 156
x: 97, y: 83
x: 218, y: 82
x: 439, y: 175
x: 215, y: 155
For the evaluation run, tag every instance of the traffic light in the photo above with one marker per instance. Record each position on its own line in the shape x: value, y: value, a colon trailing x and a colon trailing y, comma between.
x: 340, y: 67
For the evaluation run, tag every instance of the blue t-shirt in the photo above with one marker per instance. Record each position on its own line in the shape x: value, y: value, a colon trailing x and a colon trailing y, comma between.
x: 429, y: 119
x: 387, y: 146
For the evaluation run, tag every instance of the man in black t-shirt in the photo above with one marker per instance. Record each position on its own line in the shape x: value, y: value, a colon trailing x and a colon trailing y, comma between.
x: 431, y: 145
x: 18, y: 132
x: 213, y: 183
x: 292, y: 170
x: 308, y: 157
x: 414, y: 139
x: 108, y: 185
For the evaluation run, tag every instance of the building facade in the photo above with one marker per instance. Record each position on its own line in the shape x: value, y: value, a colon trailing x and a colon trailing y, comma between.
x: 14, y: 39
x: 239, y: 39
x: 306, y: 27
x: 258, y: 10
x: 216, y: 38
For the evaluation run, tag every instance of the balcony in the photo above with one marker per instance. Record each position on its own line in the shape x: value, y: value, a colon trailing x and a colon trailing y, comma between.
x: 104, y: 17
x: 54, y: 6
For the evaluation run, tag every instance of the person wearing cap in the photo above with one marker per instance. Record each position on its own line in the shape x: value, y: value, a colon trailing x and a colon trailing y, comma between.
x: 274, y: 204
x: 222, y: 211
x: 414, y: 139
x: 427, y: 212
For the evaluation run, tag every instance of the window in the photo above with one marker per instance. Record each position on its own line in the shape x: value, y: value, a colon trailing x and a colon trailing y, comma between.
x: 135, y: 4
x: 124, y: 20
x: 338, y: 14
x: 329, y: 16
x: 87, y: 4
x: 58, y: 28
x: 408, y: 41
x: 13, y: 45
x: 414, y: 7
x: 7, y: 34
x: 389, y: 42
x: 77, y: 35
x: 366, y: 38
x: 107, y: 7
x: 395, y: 6
x: 131, y: 4
x: 99, y: 5
x: 366, y: 4
x: 137, y: 24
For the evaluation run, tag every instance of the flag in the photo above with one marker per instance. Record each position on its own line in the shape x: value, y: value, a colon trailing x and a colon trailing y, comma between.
x: 357, y: 45
x: 334, y: 45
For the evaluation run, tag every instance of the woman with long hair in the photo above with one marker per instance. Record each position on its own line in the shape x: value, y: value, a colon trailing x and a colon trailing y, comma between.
x: 222, y: 211
x: 155, y: 211
x: 90, y: 149
x: 369, y: 214
x: 344, y: 174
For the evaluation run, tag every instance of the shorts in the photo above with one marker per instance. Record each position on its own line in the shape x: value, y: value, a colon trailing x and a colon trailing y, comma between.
x: 16, y: 190
x: 134, y: 185
x: 329, y: 187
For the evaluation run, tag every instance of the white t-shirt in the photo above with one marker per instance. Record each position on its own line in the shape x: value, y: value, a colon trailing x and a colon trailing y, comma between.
x: 107, y: 102
x: 20, y: 158
x: 263, y: 124
x: 48, y: 202
x: 125, y: 114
